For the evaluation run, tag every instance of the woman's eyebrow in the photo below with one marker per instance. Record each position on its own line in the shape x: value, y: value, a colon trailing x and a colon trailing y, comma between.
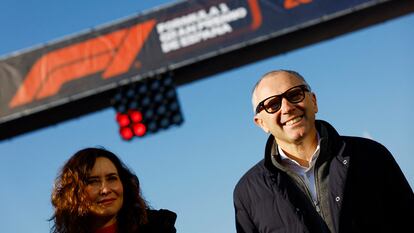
x: 112, y: 174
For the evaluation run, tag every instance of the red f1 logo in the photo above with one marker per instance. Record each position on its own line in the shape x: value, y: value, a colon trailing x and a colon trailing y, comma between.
x: 112, y: 54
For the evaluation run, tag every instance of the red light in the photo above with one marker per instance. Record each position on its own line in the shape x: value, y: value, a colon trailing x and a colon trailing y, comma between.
x: 139, y: 129
x: 122, y: 119
x: 136, y: 116
x: 126, y: 133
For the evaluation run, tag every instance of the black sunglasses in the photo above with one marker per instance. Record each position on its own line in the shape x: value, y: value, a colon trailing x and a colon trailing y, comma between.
x: 273, y: 103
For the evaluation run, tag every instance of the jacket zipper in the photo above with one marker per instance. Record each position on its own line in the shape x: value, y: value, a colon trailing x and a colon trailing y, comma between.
x: 308, y: 194
x: 318, y: 197
x: 316, y: 202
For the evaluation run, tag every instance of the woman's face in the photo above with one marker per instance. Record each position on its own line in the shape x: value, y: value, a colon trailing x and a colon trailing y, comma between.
x: 105, y: 191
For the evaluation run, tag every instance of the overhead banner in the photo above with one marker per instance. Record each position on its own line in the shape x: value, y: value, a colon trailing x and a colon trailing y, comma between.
x: 178, y: 35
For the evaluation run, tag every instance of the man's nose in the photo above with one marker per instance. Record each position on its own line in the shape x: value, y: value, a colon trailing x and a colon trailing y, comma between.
x: 286, y: 106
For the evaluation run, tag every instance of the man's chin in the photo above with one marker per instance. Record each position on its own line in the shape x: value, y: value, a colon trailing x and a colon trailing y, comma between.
x: 296, y: 137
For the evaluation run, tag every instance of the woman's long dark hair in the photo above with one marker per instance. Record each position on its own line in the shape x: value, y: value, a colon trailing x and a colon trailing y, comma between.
x: 71, y: 206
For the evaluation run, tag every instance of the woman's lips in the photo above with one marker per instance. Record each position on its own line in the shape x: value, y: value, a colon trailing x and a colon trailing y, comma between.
x: 106, y: 201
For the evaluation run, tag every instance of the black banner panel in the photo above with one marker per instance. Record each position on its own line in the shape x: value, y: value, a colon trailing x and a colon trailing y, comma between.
x: 78, y: 75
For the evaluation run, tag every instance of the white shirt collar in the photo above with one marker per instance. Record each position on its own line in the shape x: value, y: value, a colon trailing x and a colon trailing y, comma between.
x: 286, y: 160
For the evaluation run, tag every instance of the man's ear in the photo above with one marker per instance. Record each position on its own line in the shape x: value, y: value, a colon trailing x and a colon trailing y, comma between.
x: 259, y: 122
x: 315, y: 103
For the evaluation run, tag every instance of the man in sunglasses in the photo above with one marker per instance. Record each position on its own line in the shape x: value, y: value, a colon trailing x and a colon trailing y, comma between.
x: 311, y: 178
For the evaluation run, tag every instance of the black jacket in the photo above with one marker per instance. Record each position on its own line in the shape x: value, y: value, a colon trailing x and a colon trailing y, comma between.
x: 160, y: 221
x: 360, y: 189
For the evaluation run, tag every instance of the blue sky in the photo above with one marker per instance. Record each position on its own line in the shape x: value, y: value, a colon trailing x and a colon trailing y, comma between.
x: 363, y: 82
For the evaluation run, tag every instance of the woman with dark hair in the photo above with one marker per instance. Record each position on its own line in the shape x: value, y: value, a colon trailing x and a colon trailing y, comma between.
x: 96, y: 193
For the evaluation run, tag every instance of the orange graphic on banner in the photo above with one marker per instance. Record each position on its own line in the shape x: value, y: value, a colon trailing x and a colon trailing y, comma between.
x: 112, y: 53
x: 289, y: 4
x: 256, y: 15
